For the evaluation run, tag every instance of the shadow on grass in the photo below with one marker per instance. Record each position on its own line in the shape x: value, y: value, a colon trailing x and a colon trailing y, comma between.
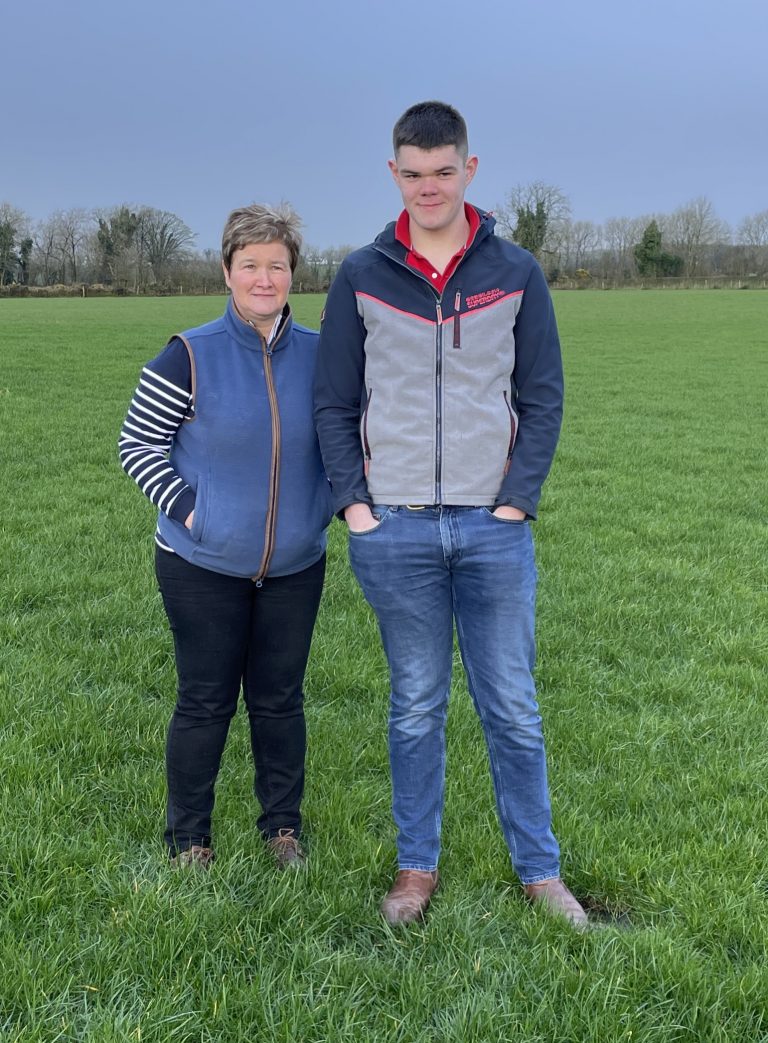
x: 601, y: 915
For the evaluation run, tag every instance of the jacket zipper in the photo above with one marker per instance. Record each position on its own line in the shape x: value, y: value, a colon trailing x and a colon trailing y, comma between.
x: 512, y: 432
x: 439, y: 401
x: 274, y: 468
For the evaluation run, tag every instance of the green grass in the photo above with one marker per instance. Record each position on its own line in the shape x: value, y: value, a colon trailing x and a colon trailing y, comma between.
x: 653, y: 642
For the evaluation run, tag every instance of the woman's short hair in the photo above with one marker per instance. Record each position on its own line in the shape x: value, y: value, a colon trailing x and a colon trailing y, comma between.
x: 262, y: 224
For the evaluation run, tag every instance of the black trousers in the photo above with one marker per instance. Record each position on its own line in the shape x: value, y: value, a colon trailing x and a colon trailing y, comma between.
x: 230, y: 635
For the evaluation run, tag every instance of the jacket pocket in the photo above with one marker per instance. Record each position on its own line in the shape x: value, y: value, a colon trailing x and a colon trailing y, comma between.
x: 513, y: 424
x: 201, y: 510
x: 364, y: 434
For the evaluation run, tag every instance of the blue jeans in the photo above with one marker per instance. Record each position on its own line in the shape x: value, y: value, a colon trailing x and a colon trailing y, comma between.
x: 421, y: 569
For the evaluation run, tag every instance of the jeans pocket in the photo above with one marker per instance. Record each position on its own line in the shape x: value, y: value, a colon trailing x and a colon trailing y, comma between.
x: 503, y: 521
x: 381, y: 514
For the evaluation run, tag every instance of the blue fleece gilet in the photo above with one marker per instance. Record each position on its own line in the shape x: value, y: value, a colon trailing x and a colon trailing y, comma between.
x: 225, y: 453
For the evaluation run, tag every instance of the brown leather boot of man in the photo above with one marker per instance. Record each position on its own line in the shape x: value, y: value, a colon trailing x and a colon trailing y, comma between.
x: 555, y: 897
x: 409, y: 896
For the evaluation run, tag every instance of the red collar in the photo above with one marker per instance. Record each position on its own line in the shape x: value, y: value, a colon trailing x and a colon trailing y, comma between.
x: 421, y: 264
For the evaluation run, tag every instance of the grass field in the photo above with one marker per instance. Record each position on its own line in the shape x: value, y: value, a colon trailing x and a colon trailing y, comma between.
x: 653, y: 643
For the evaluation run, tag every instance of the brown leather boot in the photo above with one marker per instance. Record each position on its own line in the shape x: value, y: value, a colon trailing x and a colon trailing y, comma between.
x: 555, y: 897
x: 286, y: 849
x: 196, y: 857
x: 409, y: 896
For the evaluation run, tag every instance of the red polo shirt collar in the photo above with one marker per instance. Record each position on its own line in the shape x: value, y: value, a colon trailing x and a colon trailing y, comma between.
x: 420, y: 263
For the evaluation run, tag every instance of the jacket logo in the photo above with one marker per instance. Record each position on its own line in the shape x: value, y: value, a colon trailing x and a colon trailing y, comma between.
x: 483, y: 298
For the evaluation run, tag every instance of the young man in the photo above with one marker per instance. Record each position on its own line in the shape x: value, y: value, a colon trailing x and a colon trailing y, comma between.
x: 438, y: 405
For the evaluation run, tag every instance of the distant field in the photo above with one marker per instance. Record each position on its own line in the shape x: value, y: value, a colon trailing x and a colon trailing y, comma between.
x: 653, y: 642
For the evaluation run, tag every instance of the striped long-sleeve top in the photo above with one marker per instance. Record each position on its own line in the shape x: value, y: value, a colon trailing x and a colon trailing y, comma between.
x: 159, y: 406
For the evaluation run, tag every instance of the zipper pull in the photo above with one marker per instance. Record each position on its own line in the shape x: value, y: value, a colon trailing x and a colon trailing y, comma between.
x: 457, y: 320
x: 439, y: 314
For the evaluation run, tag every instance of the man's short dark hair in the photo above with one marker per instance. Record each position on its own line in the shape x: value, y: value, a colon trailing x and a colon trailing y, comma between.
x: 431, y: 124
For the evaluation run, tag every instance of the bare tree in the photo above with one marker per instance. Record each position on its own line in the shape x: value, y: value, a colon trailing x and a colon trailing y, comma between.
x: 207, y: 265
x: 580, y: 240
x: 71, y: 227
x: 45, y: 255
x: 317, y: 267
x: 14, y: 215
x: 161, y: 240
x: 620, y: 234
x: 14, y: 228
x: 691, y: 229
x: 534, y: 215
x: 307, y: 272
x: 752, y: 235
x: 753, y: 230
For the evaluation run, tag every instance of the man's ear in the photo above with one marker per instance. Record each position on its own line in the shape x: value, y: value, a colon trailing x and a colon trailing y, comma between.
x: 392, y: 164
x: 470, y: 169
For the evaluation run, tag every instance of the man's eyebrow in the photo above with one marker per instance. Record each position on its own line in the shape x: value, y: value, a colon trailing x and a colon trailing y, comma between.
x: 440, y: 170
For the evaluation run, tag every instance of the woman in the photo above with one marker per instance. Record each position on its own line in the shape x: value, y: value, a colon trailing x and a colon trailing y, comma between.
x: 220, y: 437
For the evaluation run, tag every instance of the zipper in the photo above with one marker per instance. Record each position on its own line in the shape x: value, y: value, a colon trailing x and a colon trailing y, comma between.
x: 457, y: 320
x: 512, y: 432
x: 439, y: 402
x: 366, y: 446
x: 274, y: 468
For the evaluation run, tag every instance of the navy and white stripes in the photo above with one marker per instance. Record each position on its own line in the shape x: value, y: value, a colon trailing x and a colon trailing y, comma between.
x: 159, y: 406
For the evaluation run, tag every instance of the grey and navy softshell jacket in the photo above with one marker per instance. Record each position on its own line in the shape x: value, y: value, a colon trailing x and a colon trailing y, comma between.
x: 454, y: 398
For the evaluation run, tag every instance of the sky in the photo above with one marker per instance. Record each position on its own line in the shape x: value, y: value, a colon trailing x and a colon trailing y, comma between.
x: 200, y: 107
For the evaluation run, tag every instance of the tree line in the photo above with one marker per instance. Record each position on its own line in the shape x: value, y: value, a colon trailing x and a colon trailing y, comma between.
x: 124, y: 250
x: 692, y: 241
x: 141, y: 249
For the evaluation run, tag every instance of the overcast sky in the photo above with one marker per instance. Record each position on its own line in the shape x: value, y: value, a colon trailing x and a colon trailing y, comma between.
x: 198, y: 107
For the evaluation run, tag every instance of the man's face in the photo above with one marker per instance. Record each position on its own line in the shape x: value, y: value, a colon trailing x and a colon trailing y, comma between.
x: 432, y: 183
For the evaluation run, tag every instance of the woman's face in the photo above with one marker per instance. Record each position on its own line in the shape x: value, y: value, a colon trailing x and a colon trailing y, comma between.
x: 259, y: 277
